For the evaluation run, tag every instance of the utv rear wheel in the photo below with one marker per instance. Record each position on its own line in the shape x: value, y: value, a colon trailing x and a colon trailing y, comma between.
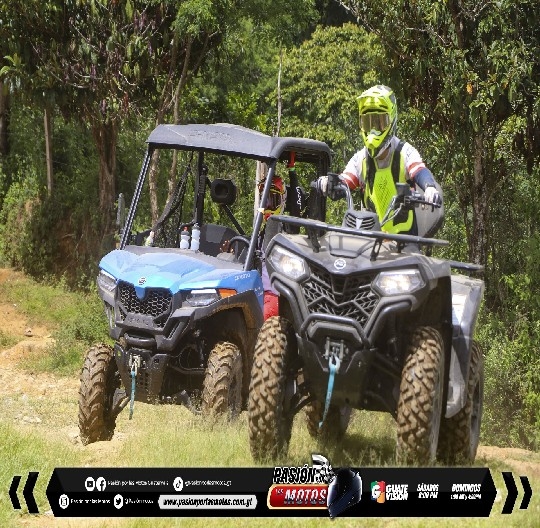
x: 222, y: 388
x: 460, y: 434
x: 99, y: 380
x: 272, y: 386
x: 421, y: 397
x: 335, y: 424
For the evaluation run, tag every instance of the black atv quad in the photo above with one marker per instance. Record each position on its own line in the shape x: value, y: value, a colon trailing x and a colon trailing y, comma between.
x: 369, y: 321
x: 183, y: 295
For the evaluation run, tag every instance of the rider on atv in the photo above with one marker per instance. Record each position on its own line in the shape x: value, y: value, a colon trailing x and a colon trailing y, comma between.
x: 384, y: 161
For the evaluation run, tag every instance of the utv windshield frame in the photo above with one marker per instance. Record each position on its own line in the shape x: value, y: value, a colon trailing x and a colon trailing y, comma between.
x: 232, y: 140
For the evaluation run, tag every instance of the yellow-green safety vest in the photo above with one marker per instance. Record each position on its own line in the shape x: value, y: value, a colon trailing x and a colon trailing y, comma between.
x: 381, y: 188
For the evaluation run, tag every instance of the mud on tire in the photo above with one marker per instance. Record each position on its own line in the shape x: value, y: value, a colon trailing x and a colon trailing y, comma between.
x: 460, y: 434
x: 222, y: 387
x: 421, y: 397
x: 269, y: 420
x: 99, y: 380
x: 334, y: 426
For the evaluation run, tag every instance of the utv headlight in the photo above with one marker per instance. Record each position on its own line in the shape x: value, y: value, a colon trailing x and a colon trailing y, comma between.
x: 106, y: 281
x: 207, y: 296
x: 398, y: 282
x: 288, y: 263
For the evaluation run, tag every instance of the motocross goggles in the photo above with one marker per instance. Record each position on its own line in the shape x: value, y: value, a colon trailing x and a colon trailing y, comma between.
x: 374, y: 124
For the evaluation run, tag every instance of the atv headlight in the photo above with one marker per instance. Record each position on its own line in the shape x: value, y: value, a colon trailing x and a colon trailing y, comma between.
x: 106, y: 281
x: 288, y: 263
x: 207, y: 296
x: 398, y: 282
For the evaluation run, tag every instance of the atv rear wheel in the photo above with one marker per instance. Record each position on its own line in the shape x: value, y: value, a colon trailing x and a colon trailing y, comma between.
x: 99, y: 380
x: 335, y: 424
x: 222, y: 388
x: 272, y: 386
x: 421, y: 397
x: 460, y: 434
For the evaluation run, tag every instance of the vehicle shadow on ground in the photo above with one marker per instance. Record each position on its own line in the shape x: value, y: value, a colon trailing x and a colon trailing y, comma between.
x: 356, y: 449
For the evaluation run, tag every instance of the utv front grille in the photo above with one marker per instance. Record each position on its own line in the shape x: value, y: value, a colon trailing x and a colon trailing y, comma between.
x: 349, y: 296
x: 156, y: 302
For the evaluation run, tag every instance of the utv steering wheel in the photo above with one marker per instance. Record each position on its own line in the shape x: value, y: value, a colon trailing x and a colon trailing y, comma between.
x: 237, y: 240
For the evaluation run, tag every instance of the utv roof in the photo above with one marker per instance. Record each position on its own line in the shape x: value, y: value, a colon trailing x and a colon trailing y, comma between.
x: 240, y: 141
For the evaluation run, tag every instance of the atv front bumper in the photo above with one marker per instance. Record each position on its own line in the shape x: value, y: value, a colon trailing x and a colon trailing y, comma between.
x: 149, y: 375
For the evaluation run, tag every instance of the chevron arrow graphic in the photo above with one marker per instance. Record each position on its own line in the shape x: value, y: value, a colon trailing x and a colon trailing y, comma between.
x: 512, y: 492
x: 528, y: 493
x: 13, y: 492
x: 28, y: 492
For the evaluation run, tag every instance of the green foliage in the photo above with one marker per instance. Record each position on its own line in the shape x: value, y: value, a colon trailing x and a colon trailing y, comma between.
x: 16, y: 226
x: 512, y: 382
x: 320, y: 86
x: 57, y: 234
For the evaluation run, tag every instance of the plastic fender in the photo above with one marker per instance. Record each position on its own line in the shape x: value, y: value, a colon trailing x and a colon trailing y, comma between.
x: 466, y: 299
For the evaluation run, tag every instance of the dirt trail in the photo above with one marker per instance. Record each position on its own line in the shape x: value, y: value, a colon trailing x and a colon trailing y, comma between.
x: 43, y: 402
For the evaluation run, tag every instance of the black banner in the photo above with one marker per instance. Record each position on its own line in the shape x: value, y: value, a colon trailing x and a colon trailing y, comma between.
x: 252, y: 492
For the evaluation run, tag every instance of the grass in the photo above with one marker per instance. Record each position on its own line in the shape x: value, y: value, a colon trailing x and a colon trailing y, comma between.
x: 187, y: 441
x: 22, y: 451
x: 7, y: 340
x: 75, y: 319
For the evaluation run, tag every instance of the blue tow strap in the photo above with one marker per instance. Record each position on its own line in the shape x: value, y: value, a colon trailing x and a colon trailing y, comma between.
x: 333, y: 367
x: 132, y: 399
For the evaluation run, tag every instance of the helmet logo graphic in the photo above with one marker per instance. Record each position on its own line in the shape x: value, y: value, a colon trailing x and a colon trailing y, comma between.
x: 377, y: 107
x: 344, y: 491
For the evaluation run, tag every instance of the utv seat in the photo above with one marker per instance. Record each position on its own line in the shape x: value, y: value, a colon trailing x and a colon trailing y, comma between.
x: 213, y: 236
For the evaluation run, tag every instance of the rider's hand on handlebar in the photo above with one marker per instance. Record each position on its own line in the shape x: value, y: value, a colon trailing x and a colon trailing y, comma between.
x: 332, y: 186
x: 432, y: 196
x: 323, y: 184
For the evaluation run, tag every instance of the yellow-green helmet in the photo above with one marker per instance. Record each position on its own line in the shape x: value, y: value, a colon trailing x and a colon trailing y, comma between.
x: 378, y: 117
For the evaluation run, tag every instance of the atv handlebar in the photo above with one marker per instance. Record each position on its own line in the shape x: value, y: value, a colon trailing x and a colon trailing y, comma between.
x: 318, y: 225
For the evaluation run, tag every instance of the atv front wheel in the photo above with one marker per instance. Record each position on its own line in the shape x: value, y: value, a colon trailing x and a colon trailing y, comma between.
x: 271, y: 388
x: 99, y: 380
x: 335, y: 424
x: 421, y: 397
x: 222, y: 388
x: 460, y: 434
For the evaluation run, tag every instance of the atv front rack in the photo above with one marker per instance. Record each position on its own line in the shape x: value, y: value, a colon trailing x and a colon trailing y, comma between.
x: 314, y: 227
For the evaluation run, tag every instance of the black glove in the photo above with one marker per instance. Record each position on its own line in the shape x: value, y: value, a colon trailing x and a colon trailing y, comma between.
x: 335, y: 187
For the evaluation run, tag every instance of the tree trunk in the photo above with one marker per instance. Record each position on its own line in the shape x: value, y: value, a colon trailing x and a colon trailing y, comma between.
x: 48, y: 148
x: 480, y: 209
x: 4, y: 119
x: 105, y: 136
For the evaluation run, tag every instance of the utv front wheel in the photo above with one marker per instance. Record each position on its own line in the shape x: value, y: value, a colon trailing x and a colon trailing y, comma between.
x: 335, y: 424
x: 99, y: 380
x: 421, y: 397
x: 272, y: 386
x: 460, y: 434
x: 222, y: 389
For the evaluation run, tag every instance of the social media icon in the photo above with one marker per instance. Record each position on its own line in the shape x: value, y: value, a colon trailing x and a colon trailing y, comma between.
x: 90, y: 484
x: 101, y: 483
x: 178, y: 484
x: 63, y: 501
x: 118, y: 501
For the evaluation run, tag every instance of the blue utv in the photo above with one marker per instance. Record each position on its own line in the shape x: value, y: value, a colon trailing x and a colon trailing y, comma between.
x: 183, y: 293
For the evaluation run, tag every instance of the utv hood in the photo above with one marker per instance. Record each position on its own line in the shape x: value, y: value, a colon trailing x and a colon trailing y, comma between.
x: 176, y: 269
